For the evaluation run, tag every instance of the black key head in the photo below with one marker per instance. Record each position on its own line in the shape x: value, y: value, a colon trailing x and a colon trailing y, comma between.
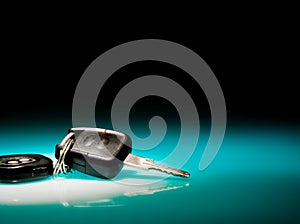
x: 97, y: 152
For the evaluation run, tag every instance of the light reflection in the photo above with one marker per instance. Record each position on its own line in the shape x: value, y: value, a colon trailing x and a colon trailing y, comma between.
x: 80, y: 192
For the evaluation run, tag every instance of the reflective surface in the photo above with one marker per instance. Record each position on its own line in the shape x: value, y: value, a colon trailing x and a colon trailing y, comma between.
x: 254, y: 178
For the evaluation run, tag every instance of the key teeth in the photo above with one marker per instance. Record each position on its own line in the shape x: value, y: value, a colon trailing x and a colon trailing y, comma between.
x: 181, y: 174
x: 171, y: 171
x: 186, y: 174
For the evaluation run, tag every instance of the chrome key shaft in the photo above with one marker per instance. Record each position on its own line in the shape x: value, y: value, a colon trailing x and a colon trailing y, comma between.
x: 146, y: 164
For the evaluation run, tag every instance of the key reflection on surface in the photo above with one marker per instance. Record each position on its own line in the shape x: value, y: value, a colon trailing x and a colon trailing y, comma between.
x: 79, y: 190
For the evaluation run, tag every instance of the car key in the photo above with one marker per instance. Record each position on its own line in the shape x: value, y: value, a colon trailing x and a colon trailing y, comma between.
x: 102, y: 153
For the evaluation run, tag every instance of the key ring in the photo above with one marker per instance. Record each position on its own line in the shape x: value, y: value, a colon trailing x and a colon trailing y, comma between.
x: 65, y: 145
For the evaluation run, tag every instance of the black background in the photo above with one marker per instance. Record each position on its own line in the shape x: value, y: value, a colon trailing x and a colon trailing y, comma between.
x: 253, y: 55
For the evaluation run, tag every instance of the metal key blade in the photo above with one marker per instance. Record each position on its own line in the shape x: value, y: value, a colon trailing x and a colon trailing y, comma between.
x: 146, y: 164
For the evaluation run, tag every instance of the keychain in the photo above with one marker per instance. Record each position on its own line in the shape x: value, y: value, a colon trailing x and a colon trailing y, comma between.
x: 94, y: 151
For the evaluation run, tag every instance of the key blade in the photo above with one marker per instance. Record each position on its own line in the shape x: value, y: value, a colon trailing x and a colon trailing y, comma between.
x: 170, y: 170
x: 146, y: 164
x: 136, y: 161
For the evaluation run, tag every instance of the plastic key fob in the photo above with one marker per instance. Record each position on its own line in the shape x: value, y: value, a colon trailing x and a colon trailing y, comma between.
x: 95, y: 151
x: 24, y: 167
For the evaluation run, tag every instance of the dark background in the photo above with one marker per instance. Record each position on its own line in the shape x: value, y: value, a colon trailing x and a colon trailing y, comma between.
x: 253, y: 55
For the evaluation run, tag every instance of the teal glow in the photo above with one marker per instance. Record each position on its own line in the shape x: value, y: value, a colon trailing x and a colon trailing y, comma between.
x: 255, y: 178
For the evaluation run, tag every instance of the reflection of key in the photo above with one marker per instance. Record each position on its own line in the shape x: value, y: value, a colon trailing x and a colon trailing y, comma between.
x: 102, y: 153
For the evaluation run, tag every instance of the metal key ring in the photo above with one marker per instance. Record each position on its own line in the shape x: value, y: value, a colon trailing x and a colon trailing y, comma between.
x: 65, y: 145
